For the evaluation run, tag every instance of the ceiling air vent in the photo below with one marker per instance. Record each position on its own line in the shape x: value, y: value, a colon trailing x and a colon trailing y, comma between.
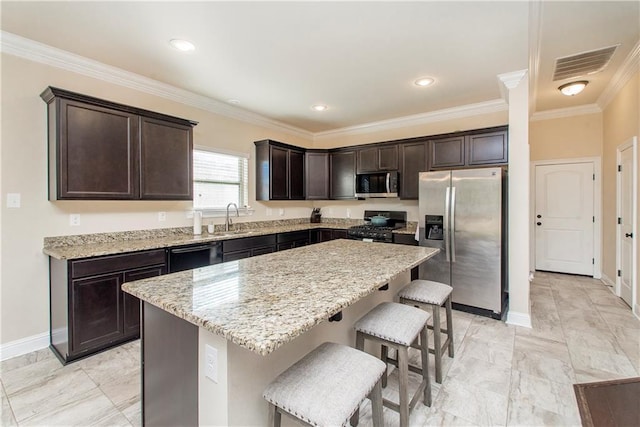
x: 583, y: 63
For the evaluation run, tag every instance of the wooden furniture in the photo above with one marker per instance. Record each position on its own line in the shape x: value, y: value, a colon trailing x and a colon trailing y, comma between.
x: 316, y: 174
x: 413, y: 160
x: 398, y: 326
x: 342, y: 168
x: 421, y: 293
x: 247, y: 247
x: 103, y: 150
x: 305, y: 389
x: 89, y: 312
x: 377, y: 158
x: 292, y: 239
x: 481, y: 148
x: 279, y: 171
x: 318, y: 235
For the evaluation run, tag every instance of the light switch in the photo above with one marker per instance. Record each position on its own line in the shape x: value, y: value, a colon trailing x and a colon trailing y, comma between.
x: 269, y: 212
x: 281, y: 212
x: 13, y: 200
x: 74, y: 220
x: 162, y: 216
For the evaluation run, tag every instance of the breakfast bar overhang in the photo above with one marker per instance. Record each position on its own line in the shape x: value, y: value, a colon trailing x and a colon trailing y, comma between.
x: 243, y: 322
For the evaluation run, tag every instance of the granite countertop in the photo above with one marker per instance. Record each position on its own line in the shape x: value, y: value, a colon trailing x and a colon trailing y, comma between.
x: 263, y: 302
x: 85, y: 246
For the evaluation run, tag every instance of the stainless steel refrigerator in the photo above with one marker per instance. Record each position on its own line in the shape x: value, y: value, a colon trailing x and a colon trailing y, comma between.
x: 463, y: 212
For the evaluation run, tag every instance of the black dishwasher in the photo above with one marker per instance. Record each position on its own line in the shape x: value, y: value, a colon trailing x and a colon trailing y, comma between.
x: 194, y: 256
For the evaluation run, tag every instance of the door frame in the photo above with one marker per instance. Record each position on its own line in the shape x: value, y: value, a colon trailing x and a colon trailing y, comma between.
x: 597, y: 208
x: 633, y: 143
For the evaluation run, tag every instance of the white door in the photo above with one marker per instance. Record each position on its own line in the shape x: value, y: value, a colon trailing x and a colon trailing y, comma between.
x: 625, y: 194
x: 564, y: 218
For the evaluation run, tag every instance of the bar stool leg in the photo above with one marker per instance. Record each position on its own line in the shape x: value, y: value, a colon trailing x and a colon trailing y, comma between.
x: 437, y: 343
x: 355, y: 418
x: 424, y: 354
x: 384, y: 356
x: 403, y: 379
x: 376, y: 404
x: 275, y: 417
x: 449, y: 326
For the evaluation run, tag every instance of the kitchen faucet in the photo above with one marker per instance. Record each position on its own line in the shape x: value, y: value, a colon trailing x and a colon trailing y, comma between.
x: 228, y: 222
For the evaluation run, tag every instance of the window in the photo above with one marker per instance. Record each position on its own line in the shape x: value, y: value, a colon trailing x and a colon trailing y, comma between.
x: 219, y: 179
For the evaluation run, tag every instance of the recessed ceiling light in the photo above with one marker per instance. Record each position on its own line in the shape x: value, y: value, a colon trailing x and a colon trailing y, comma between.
x: 573, y: 88
x: 233, y: 101
x: 424, y: 81
x: 319, y: 107
x: 182, y: 45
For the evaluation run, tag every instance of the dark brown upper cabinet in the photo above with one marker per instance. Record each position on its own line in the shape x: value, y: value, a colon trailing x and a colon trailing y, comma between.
x: 378, y: 158
x: 317, y: 175
x: 487, y: 147
x: 413, y: 160
x: 103, y: 150
x: 279, y: 171
x: 342, y: 166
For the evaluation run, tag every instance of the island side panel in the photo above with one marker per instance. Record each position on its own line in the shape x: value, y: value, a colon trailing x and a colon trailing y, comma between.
x: 249, y: 373
x: 169, y: 369
x: 213, y: 407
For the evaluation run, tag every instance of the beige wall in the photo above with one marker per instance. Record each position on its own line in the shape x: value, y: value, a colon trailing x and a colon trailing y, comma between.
x: 567, y: 137
x: 621, y: 122
x: 24, y: 269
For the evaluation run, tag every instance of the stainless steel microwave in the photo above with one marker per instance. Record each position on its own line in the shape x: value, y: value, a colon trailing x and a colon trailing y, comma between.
x: 377, y: 184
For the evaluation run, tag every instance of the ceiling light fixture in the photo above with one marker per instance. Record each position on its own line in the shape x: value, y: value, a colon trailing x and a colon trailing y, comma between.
x: 319, y: 107
x: 424, y: 81
x: 573, y: 88
x: 182, y: 45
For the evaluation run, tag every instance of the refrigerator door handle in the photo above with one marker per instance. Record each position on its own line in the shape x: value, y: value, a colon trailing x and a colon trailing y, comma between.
x: 447, y: 235
x: 452, y: 236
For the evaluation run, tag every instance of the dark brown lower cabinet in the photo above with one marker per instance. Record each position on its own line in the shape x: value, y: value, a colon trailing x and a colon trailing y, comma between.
x: 235, y: 249
x: 320, y: 235
x: 89, y: 310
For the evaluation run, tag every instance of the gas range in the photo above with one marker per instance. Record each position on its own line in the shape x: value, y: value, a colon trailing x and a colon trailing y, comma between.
x: 368, y: 231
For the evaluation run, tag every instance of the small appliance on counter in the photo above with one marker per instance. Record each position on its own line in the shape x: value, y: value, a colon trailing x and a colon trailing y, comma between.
x: 316, y: 216
x: 378, y: 226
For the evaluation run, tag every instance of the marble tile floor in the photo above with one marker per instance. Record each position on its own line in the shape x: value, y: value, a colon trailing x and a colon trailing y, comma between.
x: 501, y: 374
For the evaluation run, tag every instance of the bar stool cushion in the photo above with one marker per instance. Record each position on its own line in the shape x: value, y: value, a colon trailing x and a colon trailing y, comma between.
x: 426, y: 291
x: 325, y: 387
x: 393, y: 322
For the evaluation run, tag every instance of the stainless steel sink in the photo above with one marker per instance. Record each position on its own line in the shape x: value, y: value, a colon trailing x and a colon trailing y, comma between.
x: 234, y: 233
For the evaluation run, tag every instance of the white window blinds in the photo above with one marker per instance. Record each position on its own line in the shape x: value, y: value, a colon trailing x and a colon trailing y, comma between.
x: 219, y: 179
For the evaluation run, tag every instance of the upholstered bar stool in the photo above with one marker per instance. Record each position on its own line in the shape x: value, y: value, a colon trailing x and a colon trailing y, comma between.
x: 398, y: 326
x: 423, y: 293
x: 326, y: 387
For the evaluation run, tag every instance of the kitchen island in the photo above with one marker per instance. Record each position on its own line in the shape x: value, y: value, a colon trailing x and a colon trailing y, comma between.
x: 258, y: 316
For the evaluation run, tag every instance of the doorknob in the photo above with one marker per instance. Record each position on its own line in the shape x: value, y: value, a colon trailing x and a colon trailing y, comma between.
x: 538, y: 216
x: 628, y: 235
x: 538, y: 223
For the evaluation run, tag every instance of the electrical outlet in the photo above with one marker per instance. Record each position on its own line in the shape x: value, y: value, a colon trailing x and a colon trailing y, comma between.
x: 13, y: 200
x: 348, y: 213
x: 269, y: 212
x: 162, y: 216
x: 74, y: 220
x: 211, y: 363
x: 281, y: 212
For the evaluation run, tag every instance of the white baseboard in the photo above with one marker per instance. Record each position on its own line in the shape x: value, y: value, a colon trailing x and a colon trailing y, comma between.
x: 607, y: 281
x: 24, y: 346
x: 518, y: 319
x: 636, y: 311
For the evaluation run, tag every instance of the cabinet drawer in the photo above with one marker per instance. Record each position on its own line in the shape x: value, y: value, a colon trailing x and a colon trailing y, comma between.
x: 248, y: 243
x: 106, y: 264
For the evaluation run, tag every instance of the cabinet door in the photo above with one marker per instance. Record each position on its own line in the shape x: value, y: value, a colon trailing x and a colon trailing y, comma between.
x: 317, y: 176
x: 367, y: 160
x: 338, y: 234
x: 388, y: 158
x: 96, y: 153
x: 263, y: 250
x: 166, y: 160
x: 278, y: 169
x: 413, y: 161
x: 487, y: 149
x: 296, y: 175
x: 232, y: 256
x: 131, y: 304
x: 343, y: 172
x: 447, y: 153
x: 96, y: 311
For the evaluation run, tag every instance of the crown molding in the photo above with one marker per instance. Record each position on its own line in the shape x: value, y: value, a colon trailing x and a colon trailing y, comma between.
x: 48, y: 55
x: 566, y: 112
x: 512, y: 80
x: 627, y: 70
x: 469, y: 110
